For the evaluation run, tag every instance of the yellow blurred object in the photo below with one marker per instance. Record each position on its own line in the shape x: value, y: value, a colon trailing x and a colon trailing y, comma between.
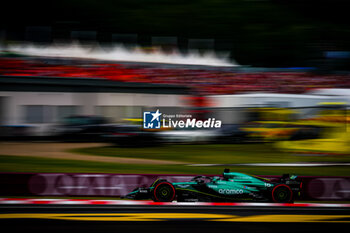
x: 133, y: 120
x: 332, y: 141
x: 270, y: 130
x: 304, y: 135
x: 334, y: 138
x: 272, y: 123
x: 332, y: 103
x: 274, y: 114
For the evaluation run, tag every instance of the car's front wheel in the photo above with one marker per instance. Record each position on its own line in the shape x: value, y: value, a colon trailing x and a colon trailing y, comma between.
x: 163, y: 192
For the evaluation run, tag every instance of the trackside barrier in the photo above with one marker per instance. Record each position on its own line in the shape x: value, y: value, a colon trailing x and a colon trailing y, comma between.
x: 77, y: 184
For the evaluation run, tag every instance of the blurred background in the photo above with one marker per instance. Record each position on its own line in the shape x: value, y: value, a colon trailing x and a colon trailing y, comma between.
x: 76, y: 76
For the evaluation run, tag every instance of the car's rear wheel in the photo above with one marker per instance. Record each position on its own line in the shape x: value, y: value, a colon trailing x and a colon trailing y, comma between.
x: 163, y: 192
x: 282, y: 194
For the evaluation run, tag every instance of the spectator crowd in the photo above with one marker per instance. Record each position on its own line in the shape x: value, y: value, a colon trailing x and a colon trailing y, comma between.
x: 202, y: 81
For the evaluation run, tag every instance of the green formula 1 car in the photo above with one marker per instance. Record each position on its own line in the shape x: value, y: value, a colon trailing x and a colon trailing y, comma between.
x: 231, y: 187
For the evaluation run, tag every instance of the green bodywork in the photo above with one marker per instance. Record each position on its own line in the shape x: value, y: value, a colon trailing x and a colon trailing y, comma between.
x: 233, y: 184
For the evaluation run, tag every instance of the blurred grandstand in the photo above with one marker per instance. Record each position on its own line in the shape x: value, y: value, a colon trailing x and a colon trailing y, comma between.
x: 202, y: 80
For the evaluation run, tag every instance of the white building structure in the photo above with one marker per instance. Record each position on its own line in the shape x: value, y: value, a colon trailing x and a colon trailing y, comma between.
x: 41, y: 102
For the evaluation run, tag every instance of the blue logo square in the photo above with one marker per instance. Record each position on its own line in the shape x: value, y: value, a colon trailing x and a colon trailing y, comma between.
x: 151, y: 120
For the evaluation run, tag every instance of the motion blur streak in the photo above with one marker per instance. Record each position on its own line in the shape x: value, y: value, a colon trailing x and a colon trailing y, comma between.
x: 120, y: 53
x: 289, y: 218
x: 118, y: 216
x: 180, y: 216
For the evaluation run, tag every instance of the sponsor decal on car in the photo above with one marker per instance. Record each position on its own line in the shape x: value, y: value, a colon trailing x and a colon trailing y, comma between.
x: 231, y: 191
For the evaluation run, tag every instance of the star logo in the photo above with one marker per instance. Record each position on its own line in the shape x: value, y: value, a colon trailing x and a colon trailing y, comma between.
x: 156, y: 115
x: 151, y: 120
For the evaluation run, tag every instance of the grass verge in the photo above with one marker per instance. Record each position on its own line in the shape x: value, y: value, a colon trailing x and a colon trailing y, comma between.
x: 220, y: 153
x: 33, y: 164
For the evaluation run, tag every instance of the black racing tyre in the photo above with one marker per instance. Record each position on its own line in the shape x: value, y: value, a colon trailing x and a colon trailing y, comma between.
x: 282, y: 194
x: 163, y: 192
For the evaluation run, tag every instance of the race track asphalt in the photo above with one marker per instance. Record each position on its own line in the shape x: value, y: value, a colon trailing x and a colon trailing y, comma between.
x: 215, y: 219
